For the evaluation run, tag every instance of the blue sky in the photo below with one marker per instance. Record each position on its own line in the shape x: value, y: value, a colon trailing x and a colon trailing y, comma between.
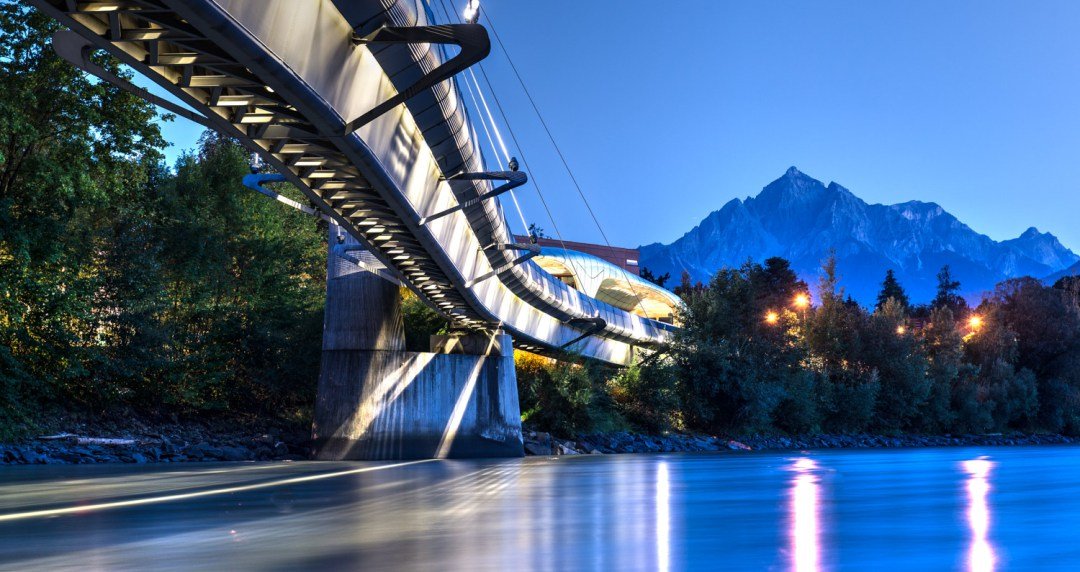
x: 667, y: 110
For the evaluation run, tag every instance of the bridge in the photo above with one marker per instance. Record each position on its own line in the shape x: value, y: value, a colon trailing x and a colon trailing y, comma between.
x: 356, y: 103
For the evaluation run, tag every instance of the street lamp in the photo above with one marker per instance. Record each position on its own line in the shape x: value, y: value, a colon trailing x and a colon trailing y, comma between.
x: 472, y: 11
x: 975, y: 322
x: 771, y: 317
x: 901, y: 330
x: 802, y: 300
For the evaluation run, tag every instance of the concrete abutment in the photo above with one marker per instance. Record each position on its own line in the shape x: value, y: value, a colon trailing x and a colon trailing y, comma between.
x: 378, y: 401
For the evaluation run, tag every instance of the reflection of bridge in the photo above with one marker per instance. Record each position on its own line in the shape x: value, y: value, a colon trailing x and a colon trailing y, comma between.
x: 346, y: 100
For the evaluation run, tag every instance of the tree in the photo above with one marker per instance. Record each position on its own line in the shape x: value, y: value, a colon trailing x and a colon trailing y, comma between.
x: 847, y: 388
x: 947, y: 296
x: 735, y: 368
x: 943, y: 344
x: 77, y: 159
x: 536, y: 231
x: 892, y: 290
x: 687, y: 287
x: 901, y: 364
x: 660, y: 280
x: 775, y: 284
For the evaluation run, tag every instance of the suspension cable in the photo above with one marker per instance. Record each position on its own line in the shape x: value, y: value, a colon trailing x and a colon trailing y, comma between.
x: 566, y: 165
x: 505, y: 154
x: 524, y: 159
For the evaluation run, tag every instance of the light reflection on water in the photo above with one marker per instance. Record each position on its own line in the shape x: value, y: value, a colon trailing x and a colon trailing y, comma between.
x: 981, y: 554
x: 663, y: 518
x: 804, y: 534
x: 921, y: 510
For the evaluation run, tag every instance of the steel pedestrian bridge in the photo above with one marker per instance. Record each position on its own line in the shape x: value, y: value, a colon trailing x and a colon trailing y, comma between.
x: 354, y: 103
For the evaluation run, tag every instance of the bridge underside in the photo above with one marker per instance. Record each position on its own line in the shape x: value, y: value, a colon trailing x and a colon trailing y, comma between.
x: 289, y: 80
x: 377, y: 401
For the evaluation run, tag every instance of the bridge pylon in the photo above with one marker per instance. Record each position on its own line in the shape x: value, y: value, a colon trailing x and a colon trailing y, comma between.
x: 378, y: 401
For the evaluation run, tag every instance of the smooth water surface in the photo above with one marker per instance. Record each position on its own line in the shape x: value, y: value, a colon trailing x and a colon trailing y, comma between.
x: 914, y: 509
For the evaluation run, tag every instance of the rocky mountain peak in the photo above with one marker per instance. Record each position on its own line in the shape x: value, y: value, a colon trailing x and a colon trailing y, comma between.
x: 801, y: 219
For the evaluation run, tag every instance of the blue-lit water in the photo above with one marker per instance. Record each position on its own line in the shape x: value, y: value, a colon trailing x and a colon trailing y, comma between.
x: 929, y: 509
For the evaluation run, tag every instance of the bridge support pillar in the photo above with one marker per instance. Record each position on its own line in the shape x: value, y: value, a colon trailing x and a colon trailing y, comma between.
x: 377, y: 401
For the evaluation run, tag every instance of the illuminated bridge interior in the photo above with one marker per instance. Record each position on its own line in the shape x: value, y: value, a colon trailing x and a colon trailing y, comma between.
x: 371, y: 109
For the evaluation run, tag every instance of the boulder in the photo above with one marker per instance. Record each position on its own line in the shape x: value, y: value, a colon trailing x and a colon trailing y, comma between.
x: 536, y: 448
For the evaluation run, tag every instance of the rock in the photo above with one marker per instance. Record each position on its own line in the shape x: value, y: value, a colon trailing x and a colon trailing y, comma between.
x: 138, y: 458
x: 564, y: 450
x: 198, y: 451
x: 539, y: 449
x: 234, y: 454
x: 737, y: 446
x: 32, y: 457
x: 595, y: 452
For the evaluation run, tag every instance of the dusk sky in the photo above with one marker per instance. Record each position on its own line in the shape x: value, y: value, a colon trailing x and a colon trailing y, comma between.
x: 665, y: 111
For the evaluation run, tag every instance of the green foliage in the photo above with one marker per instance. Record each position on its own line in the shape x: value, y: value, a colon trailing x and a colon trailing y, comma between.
x: 943, y: 344
x: 948, y: 293
x: 835, y: 338
x: 892, y: 290
x: 563, y: 397
x: 123, y: 284
x: 421, y: 322
x: 646, y: 394
x: 736, y: 356
x: 660, y: 280
x: 902, y: 367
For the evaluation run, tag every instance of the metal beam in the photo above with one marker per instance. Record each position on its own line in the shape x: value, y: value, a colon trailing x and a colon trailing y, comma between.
x: 471, y: 38
x: 514, y: 180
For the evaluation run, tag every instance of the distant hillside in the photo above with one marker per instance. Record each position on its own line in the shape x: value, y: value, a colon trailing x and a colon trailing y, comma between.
x: 801, y: 219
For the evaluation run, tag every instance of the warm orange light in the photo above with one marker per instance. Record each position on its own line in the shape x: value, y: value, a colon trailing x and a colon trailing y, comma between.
x: 771, y: 317
x: 801, y: 300
x: 975, y: 322
x: 901, y: 330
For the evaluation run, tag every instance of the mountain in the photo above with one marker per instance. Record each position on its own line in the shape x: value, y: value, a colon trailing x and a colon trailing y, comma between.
x: 802, y: 219
x: 1070, y: 271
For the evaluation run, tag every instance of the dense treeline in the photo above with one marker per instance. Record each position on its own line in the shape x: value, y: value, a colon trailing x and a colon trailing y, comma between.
x: 755, y: 355
x: 124, y: 284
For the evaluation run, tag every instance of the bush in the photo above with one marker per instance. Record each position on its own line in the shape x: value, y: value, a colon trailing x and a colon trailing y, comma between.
x: 647, y: 395
x: 798, y: 411
x: 421, y: 322
x: 564, y: 398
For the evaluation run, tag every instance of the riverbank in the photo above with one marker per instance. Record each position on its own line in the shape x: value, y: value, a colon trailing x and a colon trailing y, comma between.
x: 540, y: 443
x: 201, y: 441
x: 156, y: 442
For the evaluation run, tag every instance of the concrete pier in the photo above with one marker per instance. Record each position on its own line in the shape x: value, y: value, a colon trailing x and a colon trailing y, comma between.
x: 377, y: 401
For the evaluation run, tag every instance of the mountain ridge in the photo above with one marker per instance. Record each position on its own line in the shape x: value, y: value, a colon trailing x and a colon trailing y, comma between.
x: 802, y: 219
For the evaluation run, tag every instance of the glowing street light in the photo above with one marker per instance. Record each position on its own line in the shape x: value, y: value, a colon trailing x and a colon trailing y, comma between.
x: 771, y: 317
x: 901, y: 330
x: 472, y: 11
x: 975, y: 322
x: 801, y: 301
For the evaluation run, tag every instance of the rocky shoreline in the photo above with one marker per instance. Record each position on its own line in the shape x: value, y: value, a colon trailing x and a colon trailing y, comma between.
x: 201, y: 442
x: 540, y: 443
x: 167, y: 443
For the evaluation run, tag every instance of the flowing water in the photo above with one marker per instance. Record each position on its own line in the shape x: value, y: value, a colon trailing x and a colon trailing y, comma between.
x: 914, y: 509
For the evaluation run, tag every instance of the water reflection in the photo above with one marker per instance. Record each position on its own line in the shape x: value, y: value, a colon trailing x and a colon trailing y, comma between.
x: 981, y: 554
x: 663, y: 518
x: 804, y: 516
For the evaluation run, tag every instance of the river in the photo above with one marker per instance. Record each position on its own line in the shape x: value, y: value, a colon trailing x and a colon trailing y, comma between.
x: 910, y: 509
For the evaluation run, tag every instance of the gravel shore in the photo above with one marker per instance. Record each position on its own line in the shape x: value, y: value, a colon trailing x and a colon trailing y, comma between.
x: 540, y: 443
x: 162, y: 443
x: 235, y: 441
